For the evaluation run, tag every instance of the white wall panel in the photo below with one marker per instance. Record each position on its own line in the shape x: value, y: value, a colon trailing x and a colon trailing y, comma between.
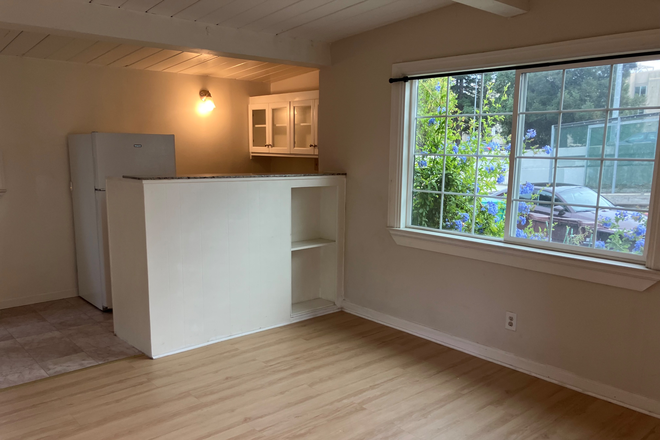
x: 218, y: 257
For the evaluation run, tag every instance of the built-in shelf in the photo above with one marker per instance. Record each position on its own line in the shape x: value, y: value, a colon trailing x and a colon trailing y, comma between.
x: 304, y: 123
x: 309, y: 244
x: 312, y: 304
x: 260, y: 126
x: 281, y: 125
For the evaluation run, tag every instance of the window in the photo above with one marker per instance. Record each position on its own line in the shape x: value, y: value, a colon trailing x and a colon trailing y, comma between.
x: 560, y: 158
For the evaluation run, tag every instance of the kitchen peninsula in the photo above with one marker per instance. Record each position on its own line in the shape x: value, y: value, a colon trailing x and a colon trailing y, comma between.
x: 198, y: 259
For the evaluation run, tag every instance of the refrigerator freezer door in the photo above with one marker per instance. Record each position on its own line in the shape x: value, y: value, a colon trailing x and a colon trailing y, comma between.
x: 104, y: 297
x: 85, y: 220
x: 118, y: 154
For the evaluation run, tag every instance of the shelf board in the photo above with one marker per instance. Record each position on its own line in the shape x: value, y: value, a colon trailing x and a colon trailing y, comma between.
x: 281, y: 125
x: 312, y: 304
x: 308, y: 244
x: 259, y: 126
x: 304, y: 123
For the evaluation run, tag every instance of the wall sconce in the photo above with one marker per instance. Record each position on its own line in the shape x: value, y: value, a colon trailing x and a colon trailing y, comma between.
x: 207, y: 105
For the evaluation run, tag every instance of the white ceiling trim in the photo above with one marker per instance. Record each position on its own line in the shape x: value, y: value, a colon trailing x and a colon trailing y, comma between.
x: 77, y: 18
x: 103, y: 53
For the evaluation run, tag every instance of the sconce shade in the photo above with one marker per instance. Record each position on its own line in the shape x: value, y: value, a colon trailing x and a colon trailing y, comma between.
x: 207, y: 103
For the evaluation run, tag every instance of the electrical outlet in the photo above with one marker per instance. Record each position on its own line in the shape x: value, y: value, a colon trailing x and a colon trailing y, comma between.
x: 510, y: 321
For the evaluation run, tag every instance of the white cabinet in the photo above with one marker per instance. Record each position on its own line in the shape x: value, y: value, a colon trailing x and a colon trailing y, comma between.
x: 284, y: 124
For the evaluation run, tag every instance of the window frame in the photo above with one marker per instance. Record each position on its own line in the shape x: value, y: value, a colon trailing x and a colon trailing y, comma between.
x: 633, y: 273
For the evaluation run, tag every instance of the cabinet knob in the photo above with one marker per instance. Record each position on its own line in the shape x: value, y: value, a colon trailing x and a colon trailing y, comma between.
x: 311, y: 145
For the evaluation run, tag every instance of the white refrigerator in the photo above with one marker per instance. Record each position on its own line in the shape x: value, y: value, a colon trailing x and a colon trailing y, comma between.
x: 93, y: 158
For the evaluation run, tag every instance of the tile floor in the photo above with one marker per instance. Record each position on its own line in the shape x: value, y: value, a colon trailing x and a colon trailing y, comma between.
x: 55, y: 337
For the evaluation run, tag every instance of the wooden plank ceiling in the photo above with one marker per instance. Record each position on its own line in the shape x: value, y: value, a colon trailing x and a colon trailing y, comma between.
x: 103, y: 53
x: 320, y: 20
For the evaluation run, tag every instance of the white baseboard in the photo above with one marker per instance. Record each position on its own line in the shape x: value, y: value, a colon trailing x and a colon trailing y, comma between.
x: 34, y: 299
x: 546, y: 372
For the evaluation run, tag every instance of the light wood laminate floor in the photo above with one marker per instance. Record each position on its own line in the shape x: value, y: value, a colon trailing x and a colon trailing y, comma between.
x: 334, y: 377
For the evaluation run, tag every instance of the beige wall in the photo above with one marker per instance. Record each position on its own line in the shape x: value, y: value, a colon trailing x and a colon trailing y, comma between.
x: 602, y: 333
x: 301, y: 83
x: 42, y: 101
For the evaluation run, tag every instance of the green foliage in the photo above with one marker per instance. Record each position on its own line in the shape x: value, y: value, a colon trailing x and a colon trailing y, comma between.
x: 447, y: 130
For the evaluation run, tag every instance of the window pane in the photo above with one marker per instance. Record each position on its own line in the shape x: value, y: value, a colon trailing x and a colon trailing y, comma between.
x: 430, y: 135
x: 581, y: 134
x: 491, y: 212
x: 532, y: 220
x: 571, y: 231
x: 432, y: 97
x: 631, y: 134
x: 622, y: 231
x: 627, y: 184
x: 496, y: 135
x: 426, y: 210
x: 427, y: 173
x: 539, y: 134
x: 636, y: 84
x: 463, y: 135
x: 460, y: 174
x: 493, y: 175
x: 458, y: 213
x: 543, y: 91
x: 465, y: 97
x: 577, y: 181
x: 586, y: 87
x: 533, y: 176
x: 498, y: 92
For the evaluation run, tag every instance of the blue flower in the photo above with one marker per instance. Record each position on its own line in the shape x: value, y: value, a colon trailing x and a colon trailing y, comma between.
x: 463, y: 159
x: 441, y: 109
x: 422, y: 163
x: 547, y: 149
x: 526, y: 188
x: 640, y: 230
x: 522, y: 220
x: 537, y: 236
x: 622, y: 215
x: 431, y: 121
x: 531, y: 134
x: 520, y: 233
x: 600, y: 244
x: 639, y: 245
x: 508, y: 147
x: 458, y: 225
x: 637, y: 216
x: 465, y: 217
x: 605, y: 222
x: 500, y: 179
x: 438, y: 88
x: 493, y: 208
x: 523, y: 208
x: 455, y: 149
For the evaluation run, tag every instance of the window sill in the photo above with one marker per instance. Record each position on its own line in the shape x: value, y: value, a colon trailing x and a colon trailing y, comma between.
x: 579, y: 267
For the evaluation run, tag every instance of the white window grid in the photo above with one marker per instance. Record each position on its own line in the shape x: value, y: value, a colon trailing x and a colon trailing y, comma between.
x: 514, y: 171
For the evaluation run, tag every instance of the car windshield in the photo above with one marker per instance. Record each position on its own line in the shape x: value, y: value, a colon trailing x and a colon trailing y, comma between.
x: 582, y: 196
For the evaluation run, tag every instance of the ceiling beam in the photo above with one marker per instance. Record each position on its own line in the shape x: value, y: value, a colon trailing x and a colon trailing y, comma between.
x: 504, y: 8
x: 87, y: 20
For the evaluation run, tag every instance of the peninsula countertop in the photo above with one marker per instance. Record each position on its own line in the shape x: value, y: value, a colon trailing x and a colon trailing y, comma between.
x: 232, y: 176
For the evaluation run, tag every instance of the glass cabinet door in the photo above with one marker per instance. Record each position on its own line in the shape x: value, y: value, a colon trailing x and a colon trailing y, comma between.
x: 279, y: 127
x: 258, y: 129
x: 303, y: 127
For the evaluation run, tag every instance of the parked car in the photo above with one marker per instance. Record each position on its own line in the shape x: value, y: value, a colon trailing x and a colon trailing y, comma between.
x: 568, y: 218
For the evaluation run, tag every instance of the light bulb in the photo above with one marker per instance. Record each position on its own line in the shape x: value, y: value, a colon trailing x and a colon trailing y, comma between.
x: 207, y: 105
